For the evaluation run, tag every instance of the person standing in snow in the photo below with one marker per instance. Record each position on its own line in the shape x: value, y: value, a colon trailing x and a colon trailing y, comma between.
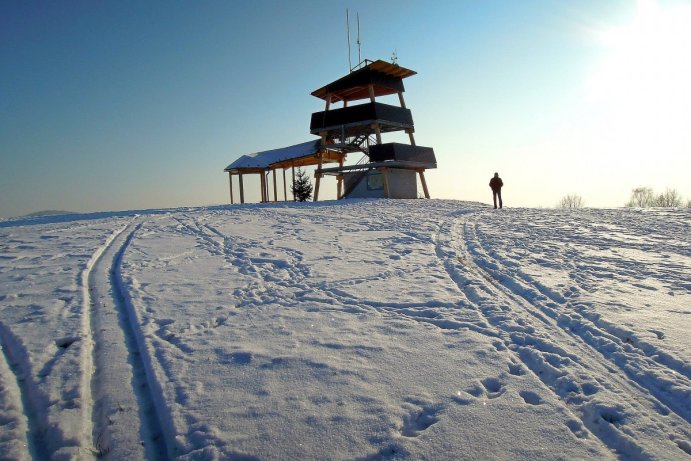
x: 496, y: 184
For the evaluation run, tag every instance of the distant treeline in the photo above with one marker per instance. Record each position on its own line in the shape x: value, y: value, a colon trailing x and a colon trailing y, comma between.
x: 641, y: 197
x: 644, y: 197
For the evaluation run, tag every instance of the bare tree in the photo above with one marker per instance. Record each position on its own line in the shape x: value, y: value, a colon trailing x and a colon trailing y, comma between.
x: 669, y: 199
x: 642, y: 197
x: 571, y: 201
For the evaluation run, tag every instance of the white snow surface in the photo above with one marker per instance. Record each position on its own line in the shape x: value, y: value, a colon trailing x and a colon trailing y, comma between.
x: 349, y: 330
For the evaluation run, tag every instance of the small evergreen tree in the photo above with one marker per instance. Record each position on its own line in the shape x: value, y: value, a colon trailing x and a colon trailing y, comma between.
x: 302, y: 187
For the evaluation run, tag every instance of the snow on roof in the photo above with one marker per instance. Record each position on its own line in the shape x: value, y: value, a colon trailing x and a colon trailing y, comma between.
x: 268, y: 157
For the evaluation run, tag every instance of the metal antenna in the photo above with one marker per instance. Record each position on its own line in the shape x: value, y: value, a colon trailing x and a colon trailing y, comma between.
x: 350, y: 64
x: 359, y: 59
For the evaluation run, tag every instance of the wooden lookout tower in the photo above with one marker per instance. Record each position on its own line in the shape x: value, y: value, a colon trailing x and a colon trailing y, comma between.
x: 391, y: 168
x: 386, y: 170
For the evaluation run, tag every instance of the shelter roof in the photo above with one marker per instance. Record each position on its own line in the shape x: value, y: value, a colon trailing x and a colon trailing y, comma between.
x: 268, y: 157
x: 385, y: 77
x: 302, y: 154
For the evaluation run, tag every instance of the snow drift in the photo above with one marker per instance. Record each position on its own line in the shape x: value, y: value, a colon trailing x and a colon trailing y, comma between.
x: 420, y: 329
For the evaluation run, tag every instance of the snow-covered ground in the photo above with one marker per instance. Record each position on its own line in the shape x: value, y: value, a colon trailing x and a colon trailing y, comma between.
x: 351, y: 330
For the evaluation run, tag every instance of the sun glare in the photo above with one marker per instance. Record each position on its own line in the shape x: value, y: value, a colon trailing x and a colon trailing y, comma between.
x: 642, y: 88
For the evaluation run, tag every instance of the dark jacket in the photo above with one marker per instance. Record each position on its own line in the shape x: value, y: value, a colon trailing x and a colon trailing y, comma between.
x: 496, y: 183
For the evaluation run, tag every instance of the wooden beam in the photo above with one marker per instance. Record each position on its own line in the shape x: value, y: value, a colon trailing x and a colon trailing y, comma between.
x: 377, y: 131
x: 412, y: 138
x: 423, y: 182
x: 339, y: 178
x: 400, y: 98
x: 230, y: 180
x: 285, y: 187
x: 262, y: 184
x: 328, y: 156
x: 292, y: 189
x: 370, y: 88
x: 242, y: 190
x: 266, y: 187
x: 318, y: 175
x: 247, y: 170
x: 275, y: 186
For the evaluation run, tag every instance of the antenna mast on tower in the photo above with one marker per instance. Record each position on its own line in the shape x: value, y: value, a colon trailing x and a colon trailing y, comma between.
x: 350, y: 64
x: 359, y: 58
x: 359, y: 43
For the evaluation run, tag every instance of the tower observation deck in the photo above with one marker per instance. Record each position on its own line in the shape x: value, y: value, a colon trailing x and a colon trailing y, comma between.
x: 391, y: 169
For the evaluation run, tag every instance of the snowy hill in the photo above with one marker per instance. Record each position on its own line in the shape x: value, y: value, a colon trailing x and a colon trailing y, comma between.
x: 363, y: 330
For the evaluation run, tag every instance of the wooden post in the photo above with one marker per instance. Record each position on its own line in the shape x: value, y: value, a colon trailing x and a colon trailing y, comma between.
x: 385, y: 173
x: 377, y: 131
x: 242, y: 189
x: 285, y: 188
x: 424, y: 183
x: 275, y: 186
x: 412, y: 138
x: 328, y: 101
x: 318, y: 176
x: 266, y: 187
x: 339, y: 180
x: 230, y: 180
x: 292, y: 189
x: 400, y: 98
x: 262, y: 184
x: 370, y: 87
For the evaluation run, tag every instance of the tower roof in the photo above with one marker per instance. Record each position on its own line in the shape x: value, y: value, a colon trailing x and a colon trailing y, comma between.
x: 385, y: 77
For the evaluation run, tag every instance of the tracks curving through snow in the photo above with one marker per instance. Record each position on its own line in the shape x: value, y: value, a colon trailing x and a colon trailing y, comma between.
x: 19, y: 435
x: 603, y: 388
x: 124, y: 411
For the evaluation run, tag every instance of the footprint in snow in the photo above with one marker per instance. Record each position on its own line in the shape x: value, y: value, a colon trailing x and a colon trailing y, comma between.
x: 531, y: 397
x: 499, y: 345
x: 516, y: 369
x: 577, y: 428
x: 491, y: 388
x: 419, y: 418
x: 660, y: 335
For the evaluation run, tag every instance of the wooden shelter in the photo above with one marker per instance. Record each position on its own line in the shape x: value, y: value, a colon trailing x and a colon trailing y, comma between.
x: 266, y: 163
x: 390, y: 169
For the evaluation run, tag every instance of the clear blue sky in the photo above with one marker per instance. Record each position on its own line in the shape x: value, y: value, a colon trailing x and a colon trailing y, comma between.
x: 127, y: 104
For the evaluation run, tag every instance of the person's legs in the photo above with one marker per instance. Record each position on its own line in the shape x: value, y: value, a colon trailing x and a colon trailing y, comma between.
x: 494, y: 197
x: 501, y: 205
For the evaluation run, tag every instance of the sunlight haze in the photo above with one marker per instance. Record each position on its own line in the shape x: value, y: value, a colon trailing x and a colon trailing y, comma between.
x: 127, y: 105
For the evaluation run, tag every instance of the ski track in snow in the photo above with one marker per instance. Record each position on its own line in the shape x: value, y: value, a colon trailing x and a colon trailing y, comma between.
x: 182, y: 312
x: 17, y: 431
x: 574, y: 357
x: 89, y: 337
x: 126, y: 421
x: 538, y: 337
x: 46, y: 338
